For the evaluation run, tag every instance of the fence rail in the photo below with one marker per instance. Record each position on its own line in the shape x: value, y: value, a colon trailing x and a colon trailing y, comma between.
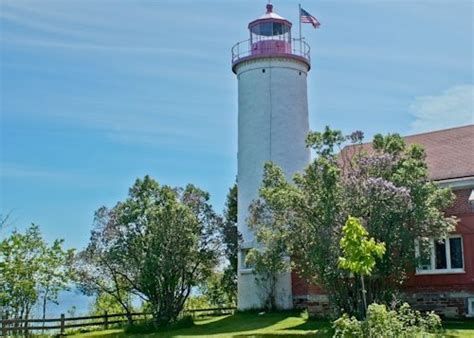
x: 22, y: 326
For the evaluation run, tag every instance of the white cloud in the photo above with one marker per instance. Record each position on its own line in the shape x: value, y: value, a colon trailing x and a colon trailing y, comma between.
x: 452, y: 108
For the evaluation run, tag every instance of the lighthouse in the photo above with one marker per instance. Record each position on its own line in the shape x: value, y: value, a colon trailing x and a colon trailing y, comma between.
x: 271, y: 69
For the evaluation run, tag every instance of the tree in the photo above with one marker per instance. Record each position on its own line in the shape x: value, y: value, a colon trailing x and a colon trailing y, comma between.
x: 231, y: 239
x: 55, y: 272
x: 20, y: 266
x: 30, y: 269
x: 98, y: 272
x: 270, y: 258
x: 167, y: 243
x: 386, y: 186
x: 359, y: 253
x: 214, y: 292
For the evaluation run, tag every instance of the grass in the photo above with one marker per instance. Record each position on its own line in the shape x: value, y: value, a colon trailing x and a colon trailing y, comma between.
x: 279, y: 324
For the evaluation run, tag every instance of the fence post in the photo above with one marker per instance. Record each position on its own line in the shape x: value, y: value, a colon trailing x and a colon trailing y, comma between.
x: 4, y: 324
x: 106, y: 320
x: 26, y: 327
x: 62, y: 325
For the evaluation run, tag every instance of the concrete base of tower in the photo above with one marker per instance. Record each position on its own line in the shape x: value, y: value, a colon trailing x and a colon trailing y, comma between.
x: 254, y: 292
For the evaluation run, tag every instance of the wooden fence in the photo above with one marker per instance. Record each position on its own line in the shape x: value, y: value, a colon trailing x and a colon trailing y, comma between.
x: 24, y: 326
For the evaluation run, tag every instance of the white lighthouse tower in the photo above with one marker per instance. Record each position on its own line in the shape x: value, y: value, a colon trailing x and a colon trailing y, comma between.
x: 271, y: 69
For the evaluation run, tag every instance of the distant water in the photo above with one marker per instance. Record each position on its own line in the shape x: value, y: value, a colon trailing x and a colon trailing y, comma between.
x: 67, y: 300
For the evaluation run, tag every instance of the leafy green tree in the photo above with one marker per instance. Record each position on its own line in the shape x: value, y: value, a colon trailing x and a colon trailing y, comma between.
x: 55, y: 273
x: 98, y: 272
x: 214, y: 291
x: 270, y: 258
x: 30, y: 270
x: 386, y: 186
x: 359, y: 253
x: 167, y: 243
x: 231, y: 239
x: 20, y: 264
x: 105, y: 302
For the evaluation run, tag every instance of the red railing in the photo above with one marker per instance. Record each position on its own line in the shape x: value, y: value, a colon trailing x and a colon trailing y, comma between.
x: 245, y: 49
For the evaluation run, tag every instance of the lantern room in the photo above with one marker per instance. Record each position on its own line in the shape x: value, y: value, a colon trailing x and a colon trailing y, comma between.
x: 270, y: 33
x: 270, y: 36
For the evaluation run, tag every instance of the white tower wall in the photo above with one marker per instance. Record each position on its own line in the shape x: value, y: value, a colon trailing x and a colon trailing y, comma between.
x: 272, y: 126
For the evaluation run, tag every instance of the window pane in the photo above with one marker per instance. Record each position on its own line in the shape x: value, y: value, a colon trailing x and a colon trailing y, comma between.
x: 425, y: 256
x: 440, y: 252
x: 266, y: 29
x: 277, y: 28
x: 425, y: 261
x: 455, y: 249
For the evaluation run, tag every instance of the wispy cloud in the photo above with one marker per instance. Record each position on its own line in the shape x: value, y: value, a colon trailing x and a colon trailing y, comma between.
x: 87, y: 46
x: 23, y: 172
x: 11, y: 170
x: 454, y: 107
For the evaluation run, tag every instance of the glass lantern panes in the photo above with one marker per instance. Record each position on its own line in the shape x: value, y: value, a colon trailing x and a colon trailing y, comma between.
x: 270, y: 31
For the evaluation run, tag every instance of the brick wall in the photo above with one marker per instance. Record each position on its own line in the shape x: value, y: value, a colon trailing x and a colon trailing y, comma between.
x: 449, y: 304
x: 446, y: 294
x: 461, y: 205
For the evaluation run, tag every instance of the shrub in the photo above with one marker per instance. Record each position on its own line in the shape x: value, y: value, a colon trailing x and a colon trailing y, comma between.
x: 381, y: 322
x: 347, y: 327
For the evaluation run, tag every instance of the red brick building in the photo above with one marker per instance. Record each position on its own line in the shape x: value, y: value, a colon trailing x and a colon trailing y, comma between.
x: 444, y: 282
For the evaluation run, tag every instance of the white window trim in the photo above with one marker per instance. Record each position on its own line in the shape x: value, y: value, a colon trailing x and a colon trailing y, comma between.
x: 448, y: 270
x: 470, y: 307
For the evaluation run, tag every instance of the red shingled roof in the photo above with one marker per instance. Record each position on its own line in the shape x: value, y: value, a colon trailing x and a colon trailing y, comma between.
x: 449, y: 152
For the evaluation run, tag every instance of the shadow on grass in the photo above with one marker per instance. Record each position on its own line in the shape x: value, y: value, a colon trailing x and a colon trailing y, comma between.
x: 464, y: 324
x: 456, y: 328
x: 243, y: 324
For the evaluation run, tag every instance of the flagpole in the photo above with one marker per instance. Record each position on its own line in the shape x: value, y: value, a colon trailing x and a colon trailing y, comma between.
x: 299, y: 21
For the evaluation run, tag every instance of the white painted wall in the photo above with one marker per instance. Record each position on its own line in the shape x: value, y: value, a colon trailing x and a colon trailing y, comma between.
x: 272, y: 126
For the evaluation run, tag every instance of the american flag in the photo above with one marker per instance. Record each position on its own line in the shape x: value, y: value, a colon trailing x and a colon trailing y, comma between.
x: 305, y: 17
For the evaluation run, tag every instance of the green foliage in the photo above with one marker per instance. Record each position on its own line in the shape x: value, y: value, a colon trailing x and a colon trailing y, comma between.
x: 231, y: 239
x: 347, y: 327
x: 98, y: 272
x: 215, y: 291
x: 31, y: 270
x: 104, y: 302
x: 158, y: 244
x: 197, y: 302
x: 386, y: 188
x: 359, y: 253
x: 268, y: 221
x: 381, y: 322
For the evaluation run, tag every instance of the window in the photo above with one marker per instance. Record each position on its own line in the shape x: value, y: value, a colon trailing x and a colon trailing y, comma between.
x: 470, y: 307
x: 243, y: 264
x: 441, y: 256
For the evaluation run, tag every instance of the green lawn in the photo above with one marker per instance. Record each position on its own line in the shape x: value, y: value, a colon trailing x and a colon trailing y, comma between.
x: 265, y: 325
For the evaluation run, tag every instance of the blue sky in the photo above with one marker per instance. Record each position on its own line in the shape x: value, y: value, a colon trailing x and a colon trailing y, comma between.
x: 97, y: 93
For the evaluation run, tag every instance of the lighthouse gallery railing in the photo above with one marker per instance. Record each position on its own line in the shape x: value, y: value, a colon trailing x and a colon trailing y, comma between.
x: 243, y: 49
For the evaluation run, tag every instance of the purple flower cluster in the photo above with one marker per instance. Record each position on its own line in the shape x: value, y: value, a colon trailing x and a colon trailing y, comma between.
x: 381, y: 161
x: 384, y: 190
